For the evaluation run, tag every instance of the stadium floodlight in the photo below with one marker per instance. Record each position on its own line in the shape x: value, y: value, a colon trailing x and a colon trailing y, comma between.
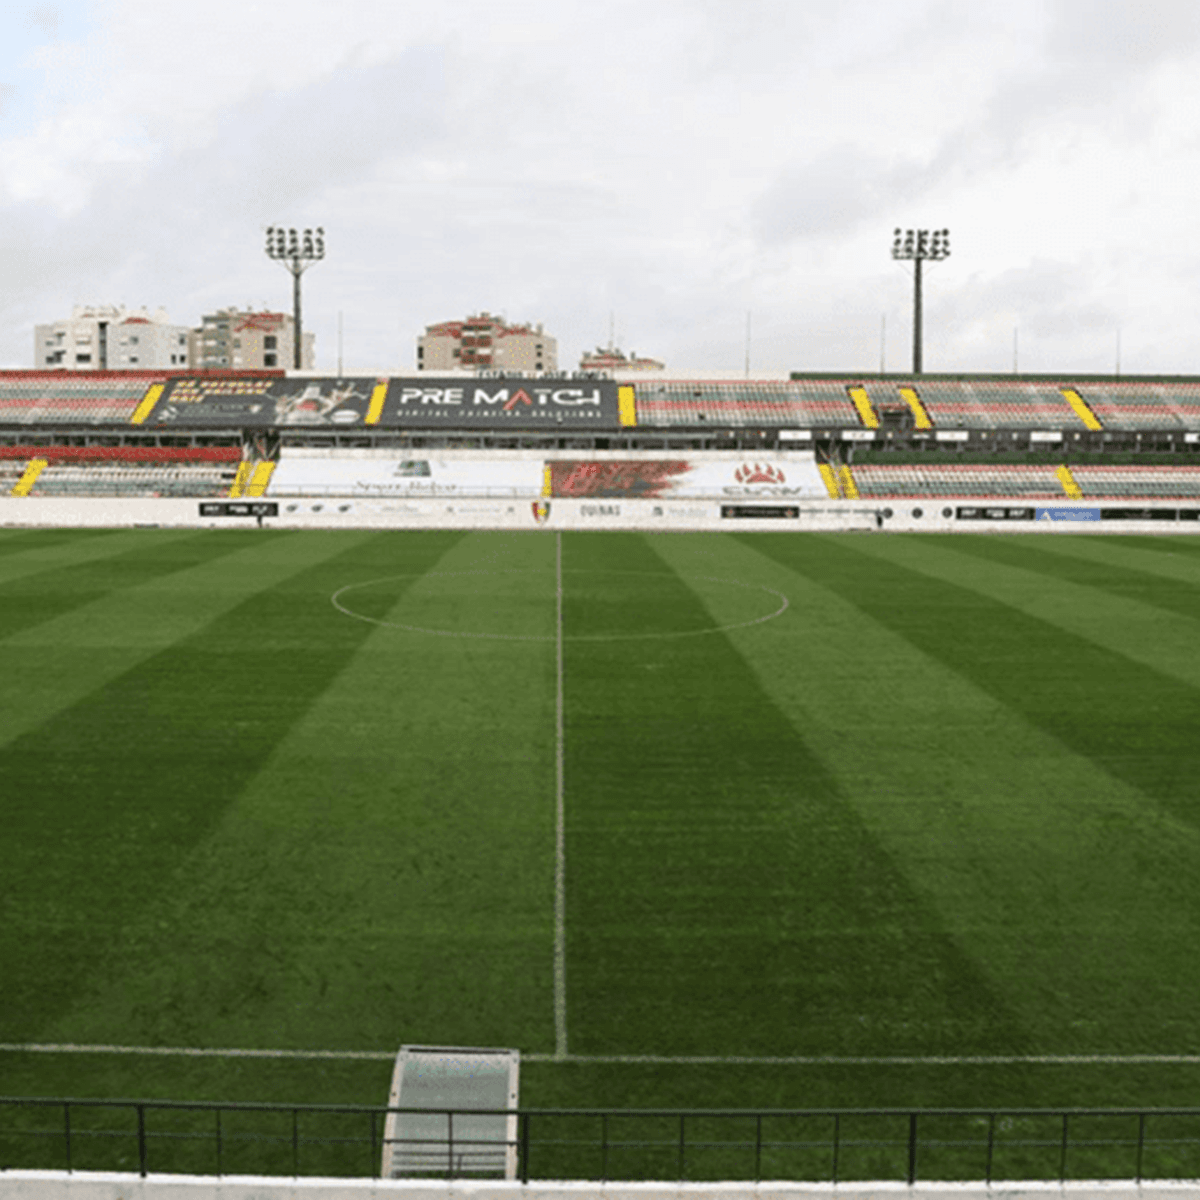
x: 919, y: 245
x: 297, y: 250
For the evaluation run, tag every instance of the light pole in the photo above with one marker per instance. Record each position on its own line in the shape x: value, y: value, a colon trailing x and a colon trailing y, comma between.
x: 919, y: 245
x: 297, y: 250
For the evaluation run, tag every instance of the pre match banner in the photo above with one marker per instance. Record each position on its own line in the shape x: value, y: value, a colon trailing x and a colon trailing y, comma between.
x: 197, y: 402
x: 791, y: 476
x: 440, y: 403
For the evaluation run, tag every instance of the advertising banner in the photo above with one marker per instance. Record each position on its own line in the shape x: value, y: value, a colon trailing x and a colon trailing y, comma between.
x: 758, y: 512
x: 263, y: 403
x: 239, y: 508
x: 435, y: 403
x: 1068, y: 514
x: 993, y: 513
x: 444, y: 403
x: 385, y: 476
x: 778, y: 476
x: 1138, y: 514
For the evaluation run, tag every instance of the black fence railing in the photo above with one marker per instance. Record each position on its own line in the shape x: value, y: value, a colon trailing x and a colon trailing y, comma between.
x: 696, y: 1145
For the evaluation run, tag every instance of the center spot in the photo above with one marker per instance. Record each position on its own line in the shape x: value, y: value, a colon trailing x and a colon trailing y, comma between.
x: 521, y: 605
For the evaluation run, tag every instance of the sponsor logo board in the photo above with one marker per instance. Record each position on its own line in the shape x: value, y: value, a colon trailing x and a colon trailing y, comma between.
x: 1138, y: 514
x: 967, y: 512
x: 759, y: 512
x: 239, y: 508
x: 1068, y: 514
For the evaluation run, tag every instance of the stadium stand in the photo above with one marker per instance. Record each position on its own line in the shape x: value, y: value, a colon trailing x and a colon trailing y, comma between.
x: 982, y: 404
x: 131, y: 479
x: 64, y: 397
x: 1125, y: 483
x: 1144, y: 406
x: 806, y: 403
x: 916, y: 481
x: 948, y: 430
x: 200, y: 471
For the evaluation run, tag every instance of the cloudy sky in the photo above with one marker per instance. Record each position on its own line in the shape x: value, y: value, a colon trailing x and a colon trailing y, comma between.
x: 670, y: 166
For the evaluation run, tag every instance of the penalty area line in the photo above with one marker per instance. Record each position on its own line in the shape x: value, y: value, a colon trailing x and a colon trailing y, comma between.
x: 714, y: 1060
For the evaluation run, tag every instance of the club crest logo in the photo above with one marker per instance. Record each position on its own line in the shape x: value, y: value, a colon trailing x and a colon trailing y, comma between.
x: 757, y: 473
x: 541, y: 511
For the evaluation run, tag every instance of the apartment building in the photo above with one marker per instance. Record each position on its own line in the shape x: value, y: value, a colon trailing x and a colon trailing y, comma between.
x: 486, y: 342
x: 109, y: 337
x: 609, y: 358
x: 232, y: 338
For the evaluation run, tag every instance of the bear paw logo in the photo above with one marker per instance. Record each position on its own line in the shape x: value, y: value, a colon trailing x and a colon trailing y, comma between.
x: 757, y: 473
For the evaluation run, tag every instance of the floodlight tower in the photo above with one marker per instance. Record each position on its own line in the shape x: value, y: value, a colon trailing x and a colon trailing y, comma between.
x: 297, y: 250
x: 920, y: 245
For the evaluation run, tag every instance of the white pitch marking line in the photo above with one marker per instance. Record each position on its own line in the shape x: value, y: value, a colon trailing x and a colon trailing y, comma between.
x: 814, y: 1060
x: 560, y: 846
x: 190, y: 1051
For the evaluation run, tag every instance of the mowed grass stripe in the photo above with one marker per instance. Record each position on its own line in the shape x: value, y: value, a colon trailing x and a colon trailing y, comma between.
x: 387, y: 873
x: 1145, y: 554
x: 43, y: 595
x: 1184, y: 545
x: 1135, y: 722
x: 1033, y: 857
x: 53, y: 664
x: 19, y: 541
x: 722, y: 894
x: 1055, y: 557
x: 104, y: 800
x: 53, y: 553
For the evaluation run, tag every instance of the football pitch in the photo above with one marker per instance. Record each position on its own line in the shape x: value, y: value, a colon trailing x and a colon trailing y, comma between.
x: 694, y: 820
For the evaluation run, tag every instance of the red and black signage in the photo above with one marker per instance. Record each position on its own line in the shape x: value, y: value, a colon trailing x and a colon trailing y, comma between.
x: 639, y: 478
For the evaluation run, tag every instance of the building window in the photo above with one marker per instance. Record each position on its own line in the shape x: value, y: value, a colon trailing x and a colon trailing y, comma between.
x: 83, y: 358
x: 268, y: 360
x: 133, y: 341
x: 270, y: 342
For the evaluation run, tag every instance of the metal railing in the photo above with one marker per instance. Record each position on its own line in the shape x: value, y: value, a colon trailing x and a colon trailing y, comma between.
x: 694, y: 1145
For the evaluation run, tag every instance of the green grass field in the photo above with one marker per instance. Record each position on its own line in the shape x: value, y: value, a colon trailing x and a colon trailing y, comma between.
x: 946, y: 805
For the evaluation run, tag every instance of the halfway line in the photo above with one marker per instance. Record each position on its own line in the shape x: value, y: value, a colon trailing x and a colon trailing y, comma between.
x: 560, y: 848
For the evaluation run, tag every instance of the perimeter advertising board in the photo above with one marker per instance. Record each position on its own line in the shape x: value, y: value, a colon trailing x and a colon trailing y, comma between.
x: 434, y: 403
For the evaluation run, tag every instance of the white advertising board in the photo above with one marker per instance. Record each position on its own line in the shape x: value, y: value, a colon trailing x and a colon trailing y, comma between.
x: 406, y: 476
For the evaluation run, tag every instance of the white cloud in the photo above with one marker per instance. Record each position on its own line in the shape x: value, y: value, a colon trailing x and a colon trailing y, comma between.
x: 677, y: 163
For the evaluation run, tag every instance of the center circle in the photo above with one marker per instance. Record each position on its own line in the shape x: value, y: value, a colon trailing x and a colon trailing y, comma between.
x: 346, y: 607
